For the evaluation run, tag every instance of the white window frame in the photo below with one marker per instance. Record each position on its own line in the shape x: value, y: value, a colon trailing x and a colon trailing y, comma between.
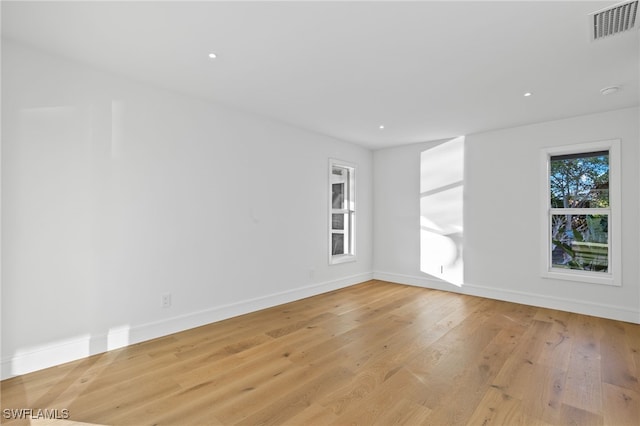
x: 613, y: 276
x: 350, y: 211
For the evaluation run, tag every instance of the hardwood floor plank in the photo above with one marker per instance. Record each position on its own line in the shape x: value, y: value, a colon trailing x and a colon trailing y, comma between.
x: 314, y: 414
x: 556, y: 350
x: 368, y: 410
x: 583, y: 388
x: 393, y: 352
x: 576, y: 416
x: 292, y: 326
x: 298, y: 398
x: 498, y: 408
x: 105, y: 407
x: 403, y: 412
x: 621, y: 406
x: 514, y: 377
x: 543, y: 399
x: 450, y: 355
x: 617, y: 357
x: 472, y: 384
x: 260, y: 397
x: 207, y: 397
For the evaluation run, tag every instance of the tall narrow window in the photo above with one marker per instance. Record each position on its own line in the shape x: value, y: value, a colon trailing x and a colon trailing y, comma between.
x: 342, y: 212
x: 441, y: 211
x: 582, y: 195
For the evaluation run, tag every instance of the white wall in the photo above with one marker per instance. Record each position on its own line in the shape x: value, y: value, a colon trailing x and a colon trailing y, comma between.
x: 502, y: 173
x: 114, y: 193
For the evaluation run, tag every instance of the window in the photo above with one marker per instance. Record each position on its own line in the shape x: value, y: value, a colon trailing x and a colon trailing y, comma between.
x: 442, y: 211
x: 581, y: 217
x: 342, y: 212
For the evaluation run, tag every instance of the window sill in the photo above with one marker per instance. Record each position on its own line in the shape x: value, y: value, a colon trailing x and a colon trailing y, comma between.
x: 583, y: 277
x: 342, y: 258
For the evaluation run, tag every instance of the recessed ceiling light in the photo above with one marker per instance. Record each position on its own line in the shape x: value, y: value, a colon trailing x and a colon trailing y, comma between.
x: 381, y: 127
x: 213, y: 55
x: 527, y: 94
x: 609, y: 90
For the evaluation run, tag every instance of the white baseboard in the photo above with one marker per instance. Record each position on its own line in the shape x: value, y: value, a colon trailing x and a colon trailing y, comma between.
x: 581, y: 307
x: 72, y: 349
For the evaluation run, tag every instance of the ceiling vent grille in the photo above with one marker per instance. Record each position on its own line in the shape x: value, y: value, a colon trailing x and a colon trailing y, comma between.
x: 613, y: 20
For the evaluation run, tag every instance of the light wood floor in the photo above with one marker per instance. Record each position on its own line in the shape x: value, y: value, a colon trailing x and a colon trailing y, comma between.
x: 374, y: 353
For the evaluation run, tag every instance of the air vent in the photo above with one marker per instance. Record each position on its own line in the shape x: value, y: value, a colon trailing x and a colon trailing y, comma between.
x: 613, y: 20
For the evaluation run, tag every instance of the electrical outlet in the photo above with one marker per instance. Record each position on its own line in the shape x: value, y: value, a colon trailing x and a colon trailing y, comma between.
x: 166, y: 300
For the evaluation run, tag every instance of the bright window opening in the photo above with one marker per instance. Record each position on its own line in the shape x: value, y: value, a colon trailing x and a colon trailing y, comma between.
x: 441, y: 211
x: 342, y: 212
x: 581, y: 214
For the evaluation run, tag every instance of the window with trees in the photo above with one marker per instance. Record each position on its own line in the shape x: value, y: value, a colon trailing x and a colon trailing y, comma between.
x: 581, y: 218
x: 342, y: 212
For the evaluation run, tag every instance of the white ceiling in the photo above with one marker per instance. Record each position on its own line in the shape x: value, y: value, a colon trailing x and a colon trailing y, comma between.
x: 424, y: 70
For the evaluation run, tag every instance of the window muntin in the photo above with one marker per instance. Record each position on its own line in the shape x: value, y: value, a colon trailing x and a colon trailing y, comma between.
x: 342, y: 212
x: 581, y: 215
